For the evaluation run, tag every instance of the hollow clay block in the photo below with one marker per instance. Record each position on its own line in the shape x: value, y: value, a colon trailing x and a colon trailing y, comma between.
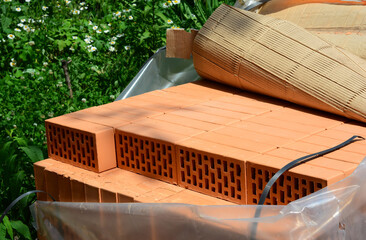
x: 81, y: 143
x: 280, y: 59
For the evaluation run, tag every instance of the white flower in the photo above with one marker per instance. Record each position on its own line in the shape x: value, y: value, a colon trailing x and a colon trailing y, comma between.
x: 7, y: 0
x: 22, y: 20
x: 13, y: 64
x: 83, y: 100
x: 112, y: 96
x: 106, y: 31
x: 32, y: 29
x: 99, y: 31
x: 165, y: 5
x: 120, y: 35
x: 74, y: 37
x: 112, y: 43
x: 58, y: 5
x: 20, y: 24
x: 28, y: 1
x: 11, y: 36
x: 126, y: 10
x: 112, y: 49
x: 127, y: 47
x: 170, y: 21
x: 176, y: 1
x: 59, y: 84
x: 67, y: 2
x: 26, y: 28
x: 92, y: 48
x: 44, y: 8
x: 14, y: 126
x: 90, y: 22
x: 118, y: 13
x: 114, y: 38
x: 76, y: 12
x: 95, y: 27
x: 50, y: 114
x: 45, y: 64
x: 82, y: 3
x: 50, y: 72
x: 86, y: 7
x: 130, y: 18
x: 17, y: 29
x: 81, y: 9
x: 109, y: 24
x: 31, y: 43
x: 18, y: 9
x: 134, y: 4
x: 35, y: 124
x: 87, y: 40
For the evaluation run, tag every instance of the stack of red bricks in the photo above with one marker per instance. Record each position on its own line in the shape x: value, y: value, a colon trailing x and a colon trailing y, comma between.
x: 198, y: 143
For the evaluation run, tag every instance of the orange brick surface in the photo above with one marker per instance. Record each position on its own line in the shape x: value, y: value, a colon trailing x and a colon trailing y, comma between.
x: 206, y: 137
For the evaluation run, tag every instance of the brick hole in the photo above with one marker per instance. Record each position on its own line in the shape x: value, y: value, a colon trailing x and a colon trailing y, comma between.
x: 219, y: 173
x: 304, y: 192
x: 319, y: 185
x: 289, y: 192
x: 213, y: 189
x: 232, y: 192
x: 143, y: 169
x: 74, y: 159
x: 135, y: 140
x: 143, y: 158
x: 148, y: 154
x: 218, y: 161
x: 282, y: 196
x: 219, y: 187
x: 132, y: 156
x: 238, y: 171
x: 199, y: 159
x: 92, y: 155
x: 83, y: 152
x: 296, y: 180
x: 137, y: 164
x: 79, y: 157
x: 303, y: 181
x: 212, y: 178
x: 255, y: 201
x: 193, y: 165
x: 281, y: 180
x: 200, y: 174
x: 141, y: 144
x: 225, y: 166
x: 154, y: 170
x: 260, y: 172
x: 84, y: 163
x: 260, y: 183
x: 194, y: 180
x: 238, y: 185
x: 137, y: 150
x: 266, y: 176
x: 87, y: 148
x: 188, y: 170
x: 158, y: 155
x: 206, y: 170
x: 126, y: 148
x: 254, y: 189
x: 165, y: 164
x: 78, y: 145
x: 297, y: 196
x: 288, y: 178
x: 231, y: 165
x: 226, y: 193
x: 51, y: 147
x: 238, y: 196
x: 189, y: 181
x: 82, y: 138
x: 200, y: 185
x: 212, y: 161
x: 170, y: 158
x: 68, y: 143
x: 148, y: 166
x: 193, y: 154
x: 170, y: 172
x: 225, y: 182
x: 274, y: 200
x: 122, y: 153
x: 165, y: 174
x: 274, y: 188
x: 69, y: 153
x: 311, y: 186
x: 125, y: 138
x: 206, y: 183
x: 77, y: 135
x: 152, y: 147
x: 127, y: 161
x: 88, y: 160
x: 72, y: 136
x: 252, y: 170
x: 169, y: 148
x: 232, y: 178
x: 93, y: 165
x: 130, y: 141
x: 181, y: 162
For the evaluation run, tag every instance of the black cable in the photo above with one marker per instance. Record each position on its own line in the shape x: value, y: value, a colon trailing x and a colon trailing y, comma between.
x: 12, y: 204
x: 290, y: 165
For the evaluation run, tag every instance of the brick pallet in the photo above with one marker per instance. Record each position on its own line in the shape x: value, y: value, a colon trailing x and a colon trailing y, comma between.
x: 208, y: 138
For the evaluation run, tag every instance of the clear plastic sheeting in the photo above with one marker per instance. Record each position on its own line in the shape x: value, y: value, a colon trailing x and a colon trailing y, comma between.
x: 160, y: 72
x: 335, y: 212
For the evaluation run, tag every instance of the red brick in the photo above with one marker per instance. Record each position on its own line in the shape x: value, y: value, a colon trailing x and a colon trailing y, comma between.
x: 81, y: 143
x: 247, y: 109
x: 204, y: 117
x: 215, y: 109
x: 78, y: 191
x: 108, y: 196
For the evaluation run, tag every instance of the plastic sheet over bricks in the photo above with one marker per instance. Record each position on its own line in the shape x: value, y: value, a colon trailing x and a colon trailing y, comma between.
x: 336, y: 212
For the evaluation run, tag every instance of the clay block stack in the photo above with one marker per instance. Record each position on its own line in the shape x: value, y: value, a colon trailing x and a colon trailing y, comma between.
x: 195, y: 143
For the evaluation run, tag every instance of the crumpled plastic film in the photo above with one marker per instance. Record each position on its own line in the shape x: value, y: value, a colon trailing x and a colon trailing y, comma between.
x: 335, y: 212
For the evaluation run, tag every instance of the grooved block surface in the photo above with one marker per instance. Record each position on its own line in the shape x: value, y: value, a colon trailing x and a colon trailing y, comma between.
x: 248, y: 111
x: 198, y: 91
x: 213, y: 108
x: 52, y: 187
x: 269, y: 130
x: 188, y: 122
x: 40, y: 179
x: 129, y: 114
x: 254, y: 100
x: 180, y: 99
x: 77, y: 191
x: 92, y: 193
x: 352, y: 127
x: 107, y: 196
x: 205, y: 117
x: 98, y: 119
x: 81, y: 143
x: 294, y: 184
x: 147, y: 151
x: 240, y: 143
x: 169, y: 127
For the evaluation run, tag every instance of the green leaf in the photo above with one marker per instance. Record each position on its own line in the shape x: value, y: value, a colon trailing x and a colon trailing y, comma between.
x: 22, y: 229
x: 18, y: 73
x: 162, y: 16
x: 8, y: 227
x: 61, y: 45
x: 2, y: 231
x: 34, y: 153
x: 21, y: 141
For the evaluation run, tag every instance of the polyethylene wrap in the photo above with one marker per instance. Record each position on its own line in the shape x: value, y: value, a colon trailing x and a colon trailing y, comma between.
x: 335, y: 212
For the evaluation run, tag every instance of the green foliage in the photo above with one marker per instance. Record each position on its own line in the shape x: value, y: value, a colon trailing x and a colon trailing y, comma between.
x: 107, y: 41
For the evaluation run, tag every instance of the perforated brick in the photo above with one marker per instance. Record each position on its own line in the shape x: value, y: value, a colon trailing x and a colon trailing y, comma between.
x: 292, y: 185
x: 147, y: 151
x: 213, y: 169
x: 81, y: 143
